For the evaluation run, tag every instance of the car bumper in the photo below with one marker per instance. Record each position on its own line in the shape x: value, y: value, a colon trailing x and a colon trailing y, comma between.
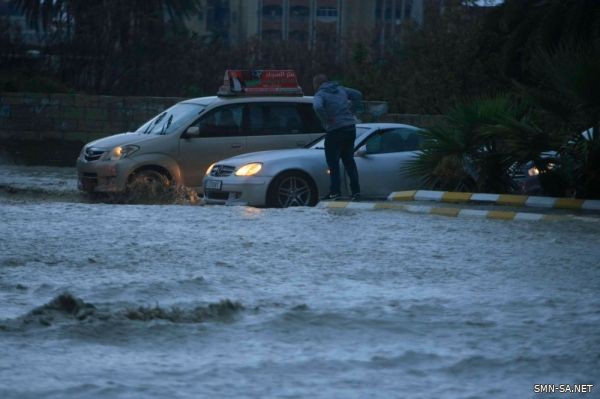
x: 102, y: 176
x: 237, y: 191
x: 530, y: 186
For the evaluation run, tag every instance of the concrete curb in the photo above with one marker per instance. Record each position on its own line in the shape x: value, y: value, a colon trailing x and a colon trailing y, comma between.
x: 496, y: 199
x: 447, y: 211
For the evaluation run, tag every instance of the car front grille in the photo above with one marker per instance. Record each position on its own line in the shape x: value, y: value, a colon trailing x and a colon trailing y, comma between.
x: 93, y: 154
x: 88, y: 181
x: 518, y: 172
x: 222, y: 170
x: 217, y: 195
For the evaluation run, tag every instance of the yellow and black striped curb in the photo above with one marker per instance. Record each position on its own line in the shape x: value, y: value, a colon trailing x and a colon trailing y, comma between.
x: 496, y: 199
x: 447, y: 211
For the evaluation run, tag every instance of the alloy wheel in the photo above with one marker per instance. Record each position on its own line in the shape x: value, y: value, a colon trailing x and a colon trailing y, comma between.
x: 294, y: 190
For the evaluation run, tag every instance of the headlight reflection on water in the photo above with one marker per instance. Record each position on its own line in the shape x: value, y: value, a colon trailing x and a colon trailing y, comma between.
x: 251, y: 212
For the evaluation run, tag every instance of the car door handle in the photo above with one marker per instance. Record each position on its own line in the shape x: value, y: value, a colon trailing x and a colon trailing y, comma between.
x: 236, y: 145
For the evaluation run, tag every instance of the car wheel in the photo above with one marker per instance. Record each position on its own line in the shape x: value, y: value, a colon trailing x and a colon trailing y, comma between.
x: 292, y: 189
x: 149, y: 177
x: 148, y: 186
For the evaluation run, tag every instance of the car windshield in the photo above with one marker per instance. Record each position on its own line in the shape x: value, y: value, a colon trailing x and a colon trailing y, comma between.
x: 172, y: 119
x: 320, y: 144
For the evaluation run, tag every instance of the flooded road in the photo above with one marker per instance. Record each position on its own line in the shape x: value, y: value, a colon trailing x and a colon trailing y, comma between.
x: 181, y: 301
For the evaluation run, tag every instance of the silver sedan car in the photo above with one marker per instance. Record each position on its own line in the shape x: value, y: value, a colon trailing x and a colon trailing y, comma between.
x: 298, y: 177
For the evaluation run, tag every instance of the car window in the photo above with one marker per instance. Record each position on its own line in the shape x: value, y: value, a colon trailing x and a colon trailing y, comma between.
x: 280, y: 119
x: 221, y: 122
x: 171, y: 119
x: 309, y: 118
x: 394, y: 140
x: 319, y: 144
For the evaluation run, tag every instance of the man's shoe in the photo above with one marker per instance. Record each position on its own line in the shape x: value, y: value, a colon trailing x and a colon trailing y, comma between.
x: 331, y: 196
x: 355, y: 197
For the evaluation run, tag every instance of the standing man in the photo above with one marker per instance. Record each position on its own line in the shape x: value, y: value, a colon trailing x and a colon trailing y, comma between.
x: 335, y: 105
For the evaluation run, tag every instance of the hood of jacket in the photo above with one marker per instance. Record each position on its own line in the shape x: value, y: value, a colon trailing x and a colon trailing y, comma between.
x: 332, y: 106
x: 329, y: 87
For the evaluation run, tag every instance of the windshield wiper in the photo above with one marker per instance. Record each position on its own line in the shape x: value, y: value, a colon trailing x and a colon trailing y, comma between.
x: 156, y: 122
x: 166, y: 125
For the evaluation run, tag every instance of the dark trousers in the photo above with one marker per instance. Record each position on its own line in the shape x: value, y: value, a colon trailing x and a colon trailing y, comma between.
x: 339, y: 144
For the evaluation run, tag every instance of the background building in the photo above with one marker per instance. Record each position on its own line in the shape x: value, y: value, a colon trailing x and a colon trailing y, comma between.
x: 304, y: 20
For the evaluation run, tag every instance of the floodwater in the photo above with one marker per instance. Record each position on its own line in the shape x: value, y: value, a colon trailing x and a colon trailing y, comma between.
x: 181, y: 301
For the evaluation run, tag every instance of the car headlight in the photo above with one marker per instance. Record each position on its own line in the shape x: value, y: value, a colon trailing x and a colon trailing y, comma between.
x: 533, y: 171
x: 249, y: 169
x: 209, y: 169
x: 120, y: 152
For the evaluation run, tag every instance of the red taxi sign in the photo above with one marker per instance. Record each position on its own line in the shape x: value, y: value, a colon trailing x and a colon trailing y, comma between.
x: 260, y: 82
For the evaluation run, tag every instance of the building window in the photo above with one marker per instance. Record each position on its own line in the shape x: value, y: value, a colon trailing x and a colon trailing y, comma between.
x: 388, y: 14
x: 217, y: 16
x: 272, y: 11
x: 299, y: 12
x: 378, y: 9
x: 327, y: 12
x: 408, y: 9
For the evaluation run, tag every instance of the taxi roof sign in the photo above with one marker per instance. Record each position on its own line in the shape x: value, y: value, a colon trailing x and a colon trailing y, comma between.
x: 260, y: 82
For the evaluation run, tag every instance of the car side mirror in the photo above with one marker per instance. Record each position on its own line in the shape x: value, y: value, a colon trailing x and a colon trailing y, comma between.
x: 192, y: 131
x: 361, y: 151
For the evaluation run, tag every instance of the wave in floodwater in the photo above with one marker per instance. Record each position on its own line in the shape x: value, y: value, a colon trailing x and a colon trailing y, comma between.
x: 149, y: 193
x: 20, y: 193
x: 126, y: 302
x: 66, y: 309
x: 139, y: 193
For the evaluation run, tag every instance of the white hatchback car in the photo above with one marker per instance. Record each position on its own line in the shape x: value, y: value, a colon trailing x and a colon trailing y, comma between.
x: 298, y: 177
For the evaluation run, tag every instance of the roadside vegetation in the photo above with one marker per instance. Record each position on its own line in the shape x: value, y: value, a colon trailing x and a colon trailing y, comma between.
x: 517, y: 83
x: 548, y: 52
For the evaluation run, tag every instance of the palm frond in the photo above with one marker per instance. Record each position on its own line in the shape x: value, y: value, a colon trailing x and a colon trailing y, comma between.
x: 472, y: 148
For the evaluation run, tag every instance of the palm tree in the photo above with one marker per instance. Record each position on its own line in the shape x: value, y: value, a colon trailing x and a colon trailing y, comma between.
x: 473, y: 149
x: 568, y: 89
x: 550, y: 52
x: 520, y: 28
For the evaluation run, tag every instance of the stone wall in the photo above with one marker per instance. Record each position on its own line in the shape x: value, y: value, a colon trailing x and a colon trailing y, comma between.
x: 50, y: 129
x: 74, y: 116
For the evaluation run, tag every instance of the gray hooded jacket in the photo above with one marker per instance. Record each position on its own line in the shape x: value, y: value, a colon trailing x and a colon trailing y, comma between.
x: 335, y: 105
